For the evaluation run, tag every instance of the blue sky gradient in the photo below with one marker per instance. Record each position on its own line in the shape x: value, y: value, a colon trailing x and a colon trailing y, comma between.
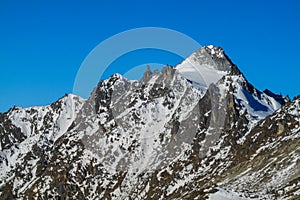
x: 43, y: 43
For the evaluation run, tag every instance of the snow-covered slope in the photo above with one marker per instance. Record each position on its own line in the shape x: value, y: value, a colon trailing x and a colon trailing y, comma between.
x: 27, y: 133
x: 205, y: 66
x: 193, y: 131
x: 202, y: 69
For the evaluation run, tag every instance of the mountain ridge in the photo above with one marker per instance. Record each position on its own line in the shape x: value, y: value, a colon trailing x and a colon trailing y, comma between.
x: 164, y: 137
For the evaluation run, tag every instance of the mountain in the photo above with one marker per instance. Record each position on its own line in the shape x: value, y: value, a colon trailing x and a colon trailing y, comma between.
x: 194, y: 131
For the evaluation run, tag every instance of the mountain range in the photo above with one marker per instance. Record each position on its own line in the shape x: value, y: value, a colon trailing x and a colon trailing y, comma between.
x: 198, y: 130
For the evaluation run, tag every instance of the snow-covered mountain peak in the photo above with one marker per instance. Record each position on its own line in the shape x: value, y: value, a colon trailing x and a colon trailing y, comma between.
x: 207, y: 65
x: 210, y: 65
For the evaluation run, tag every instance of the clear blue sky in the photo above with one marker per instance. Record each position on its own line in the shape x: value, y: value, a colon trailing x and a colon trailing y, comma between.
x: 43, y: 43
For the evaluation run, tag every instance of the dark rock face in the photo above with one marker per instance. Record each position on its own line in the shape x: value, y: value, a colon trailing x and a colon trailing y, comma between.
x: 158, y: 138
x: 277, y: 97
x: 11, y: 133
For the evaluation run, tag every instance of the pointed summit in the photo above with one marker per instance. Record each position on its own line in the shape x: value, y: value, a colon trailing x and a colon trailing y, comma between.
x: 215, y: 51
x: 207, y: 65
x: 147, y: 74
